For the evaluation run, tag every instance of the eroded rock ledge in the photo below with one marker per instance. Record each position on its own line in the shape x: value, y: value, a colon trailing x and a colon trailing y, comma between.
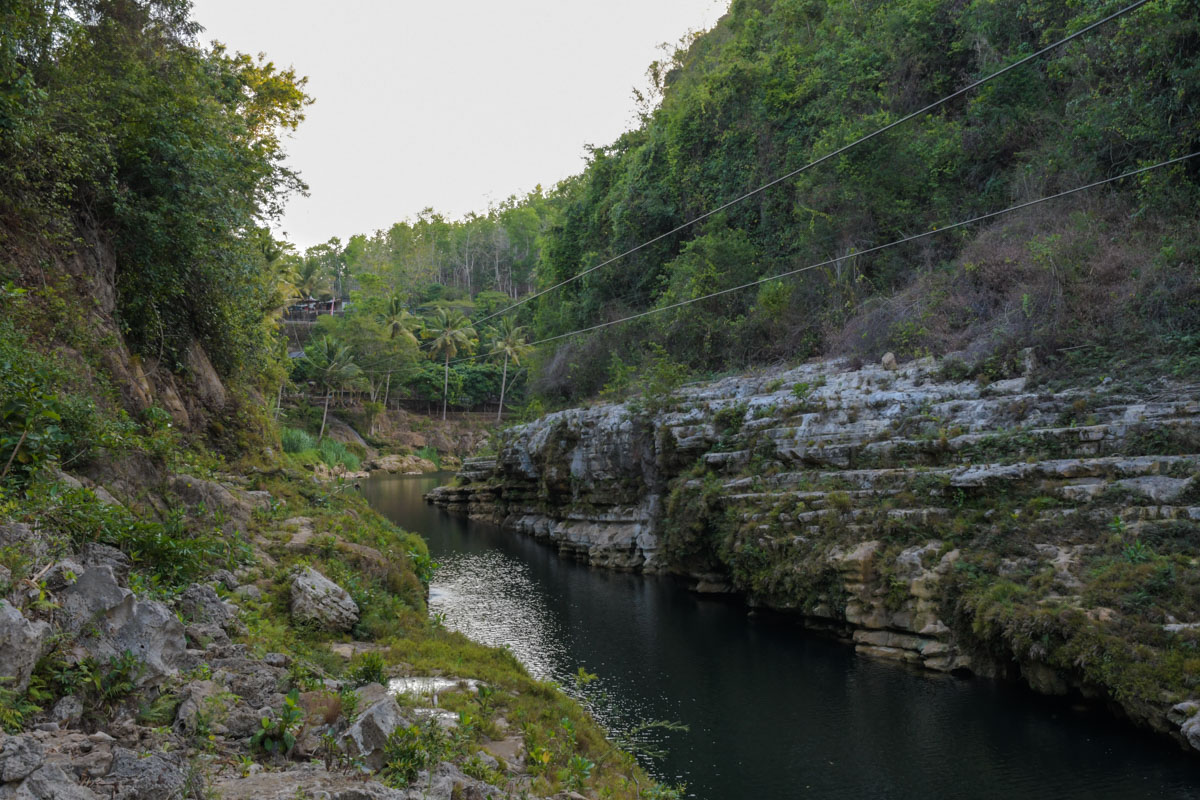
x: 952, y: 524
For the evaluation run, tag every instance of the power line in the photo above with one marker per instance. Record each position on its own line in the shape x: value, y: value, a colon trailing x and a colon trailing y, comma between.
x: 1131, y: 7
x: 877, y: 248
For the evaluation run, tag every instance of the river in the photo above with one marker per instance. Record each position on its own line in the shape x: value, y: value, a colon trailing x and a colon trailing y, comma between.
x: 772, y: 712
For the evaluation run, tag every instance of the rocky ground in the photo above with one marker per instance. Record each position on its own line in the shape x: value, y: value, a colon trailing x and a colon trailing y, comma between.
x: 249, y: 682
x: 992, y: 527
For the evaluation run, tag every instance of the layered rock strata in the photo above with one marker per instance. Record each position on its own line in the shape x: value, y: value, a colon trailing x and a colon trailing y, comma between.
x: 884, y: 504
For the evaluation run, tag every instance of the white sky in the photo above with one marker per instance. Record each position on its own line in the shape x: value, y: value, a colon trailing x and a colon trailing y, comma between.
x: 448, y: 103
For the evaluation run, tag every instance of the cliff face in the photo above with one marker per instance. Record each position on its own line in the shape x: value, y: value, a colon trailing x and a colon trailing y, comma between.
x: 73, y: 310
x: 993, y: 528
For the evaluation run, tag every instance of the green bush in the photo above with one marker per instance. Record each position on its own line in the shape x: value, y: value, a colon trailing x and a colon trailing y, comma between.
x: 296, y: 441
x: 170, y: 553
x: 335, y: 454
x: 430, y: 454
x: 368, y: 668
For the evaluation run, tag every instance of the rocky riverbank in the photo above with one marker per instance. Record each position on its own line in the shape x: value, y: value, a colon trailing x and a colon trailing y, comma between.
x: 998, y: 528
x: 293, y: 659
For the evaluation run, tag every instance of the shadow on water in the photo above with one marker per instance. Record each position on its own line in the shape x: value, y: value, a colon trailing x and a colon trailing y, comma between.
x: 772, y: 711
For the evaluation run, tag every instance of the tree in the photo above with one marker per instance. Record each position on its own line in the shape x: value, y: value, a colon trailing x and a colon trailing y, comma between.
x: 311, y: 281
x: 452, y: 333
x: 398, y: 321
x: 512, y: 343
x: 332, y: 367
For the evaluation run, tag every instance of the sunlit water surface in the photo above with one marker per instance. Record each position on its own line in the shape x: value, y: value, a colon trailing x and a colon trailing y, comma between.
x: 772, y: 712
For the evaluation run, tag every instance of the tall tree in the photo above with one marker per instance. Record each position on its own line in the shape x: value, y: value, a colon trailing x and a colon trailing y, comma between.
x: 398, y: 321
x: 332, y: 366
x: 510, y: 344
x: 311, y: 281
x: 452, y: 333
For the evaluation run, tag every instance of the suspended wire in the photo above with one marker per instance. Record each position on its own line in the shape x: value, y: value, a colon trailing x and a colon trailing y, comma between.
x: 876, y: 249
x: 1131, y: 7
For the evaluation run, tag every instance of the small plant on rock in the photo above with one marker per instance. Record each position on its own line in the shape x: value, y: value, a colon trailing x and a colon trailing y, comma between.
x: 278, y: 736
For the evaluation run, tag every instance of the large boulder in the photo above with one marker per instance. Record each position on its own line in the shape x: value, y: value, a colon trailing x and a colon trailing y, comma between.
x: 134, y: 776
x: 22, y: 643
x: 318, y: 601
x: 367, y: 738
x: 201, y: 603
x: 49, y: 782
x: 27, y: 773
x: 19, y: 757
x: 94, y: 554
x: 236, y: 504
x: 111, y: 621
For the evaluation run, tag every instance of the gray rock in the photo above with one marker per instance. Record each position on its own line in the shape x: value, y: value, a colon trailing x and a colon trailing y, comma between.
x: 318, y: 601
x: 234, y: 503
x: 889, y: 361
x: 19, y: 757
x: 243, y: 721
x: 22, y: 643
x: 105, y: 496
x: 248, y: 592
x: 1158, y: 488
x: 371, y: 694
x: 368, y: 737
x: 20, y: 536
x: 202, y: 637
x: 201, y: 603
x: 158, y: 776
x: 448, y: 782
x: 280, y: 660
x: 68, y: 711
x: 5, y: 578
x: 310, y: 781
x: 198, y: 700
x: 111, y: 621
x: 1187, y: 716
x: 225, y: 578
x: 94, y: 554
x: 63, y: 574
x: 254, y: 681
x: 50, y: 782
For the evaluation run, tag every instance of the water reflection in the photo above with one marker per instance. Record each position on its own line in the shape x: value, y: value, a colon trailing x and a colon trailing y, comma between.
x: 491, y: 598
x: 773, y: 713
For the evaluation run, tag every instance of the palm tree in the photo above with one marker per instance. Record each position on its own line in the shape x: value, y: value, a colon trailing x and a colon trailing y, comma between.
x: 399, y: 323
x: 510, y: 341
x: 332, y: 366
x: 311, y: 282
x: 451, y: 332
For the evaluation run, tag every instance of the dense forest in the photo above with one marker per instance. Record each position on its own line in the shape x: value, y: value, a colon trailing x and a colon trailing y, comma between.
x: 776, y: 85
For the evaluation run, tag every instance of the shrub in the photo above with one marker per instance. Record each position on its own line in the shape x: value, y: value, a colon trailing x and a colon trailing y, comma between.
x: 368, y: 669
x: 430, y: 454
x: 296, y: 441
x: 335, y: 454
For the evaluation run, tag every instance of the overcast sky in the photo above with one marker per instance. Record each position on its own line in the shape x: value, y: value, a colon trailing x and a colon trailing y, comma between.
x: 448, y: 103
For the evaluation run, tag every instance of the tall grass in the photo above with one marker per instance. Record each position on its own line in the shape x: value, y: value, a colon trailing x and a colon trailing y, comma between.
x: 296, y: 441
x: 430, y: 453
x: 335, y: 453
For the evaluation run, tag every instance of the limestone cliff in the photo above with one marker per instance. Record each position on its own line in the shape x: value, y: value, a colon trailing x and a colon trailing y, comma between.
x: 959, y: 525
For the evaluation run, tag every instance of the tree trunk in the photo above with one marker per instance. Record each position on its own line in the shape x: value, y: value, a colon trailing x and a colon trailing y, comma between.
x: 386, y: 390
x: 446, y: 387
x: 503, y: 383
x: 328, y: 396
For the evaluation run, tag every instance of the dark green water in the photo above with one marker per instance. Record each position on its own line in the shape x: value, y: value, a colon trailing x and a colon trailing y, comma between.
x: 773, y: 712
